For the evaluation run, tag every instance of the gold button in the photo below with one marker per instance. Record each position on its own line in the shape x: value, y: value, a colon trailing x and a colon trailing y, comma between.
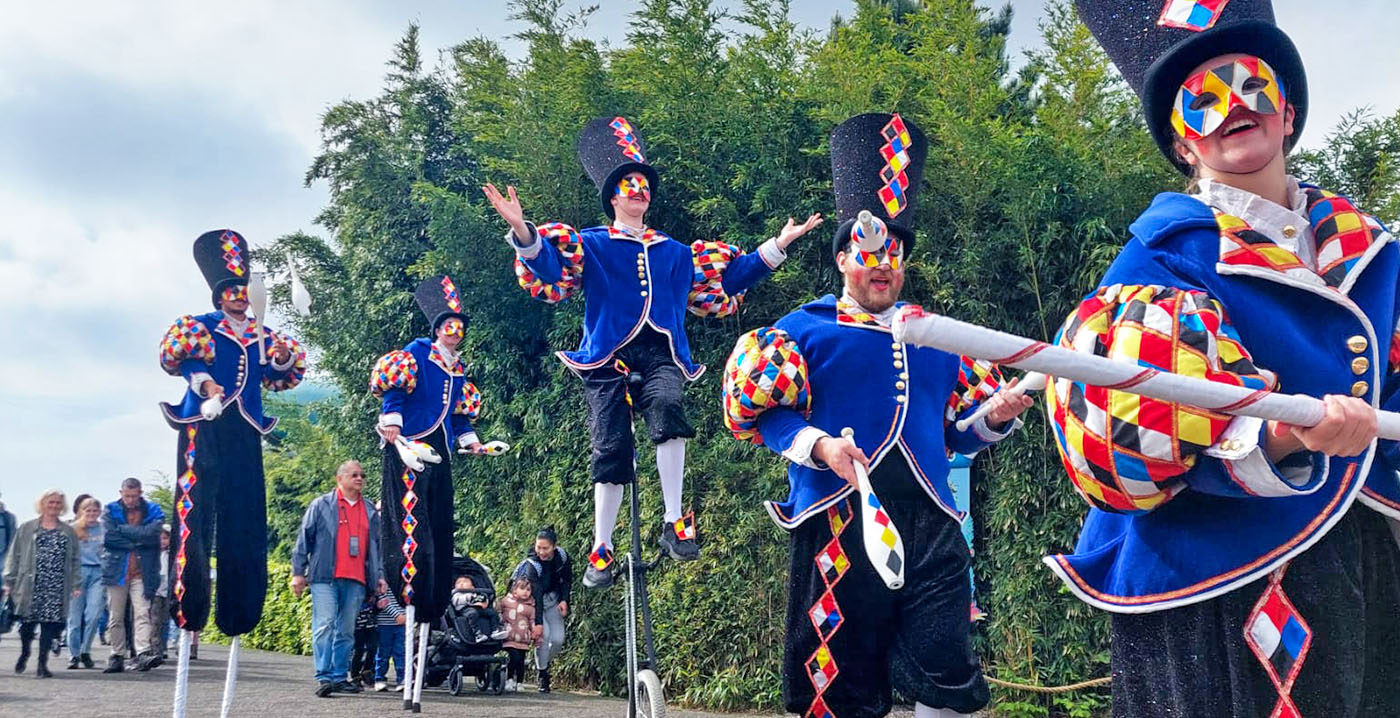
x: 894, y: 345
x: 899, y: 385
x: 644, y: 282
x: 1359, y: 365
x: 900, y: 399
x: 1289, y: 232
x: 1359, y: 388
x: 1357, y: 344
x: 644, y: 292
x: 904, y: 375
x: 898, y: 355
x: 898, y: 364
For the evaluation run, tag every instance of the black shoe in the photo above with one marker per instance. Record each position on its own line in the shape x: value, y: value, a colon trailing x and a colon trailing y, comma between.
x: 348, y: 687
x: 143, y: 663
x: 73, y: 663
x: 678, y: 538
x: 115, y: 664
x: 599, y: 573
x: 324, y: 688
x: 23, y: 661
x: 43, y: 672
x: 544, y: 680
x: 86, y: 660
x: 194, y: 653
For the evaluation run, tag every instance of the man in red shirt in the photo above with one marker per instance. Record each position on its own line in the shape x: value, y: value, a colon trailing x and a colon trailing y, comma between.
x: 337, y: 554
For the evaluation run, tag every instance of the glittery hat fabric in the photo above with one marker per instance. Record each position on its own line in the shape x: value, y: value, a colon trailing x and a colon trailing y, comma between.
x: 437, y: 297
x: 222, y: 256
x: 1156, y: 43
x: 609, y: 149
x: 877, y: 163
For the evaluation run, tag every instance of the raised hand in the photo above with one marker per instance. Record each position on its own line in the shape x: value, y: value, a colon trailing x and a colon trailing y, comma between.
x: 792, y: 231
x: 508, y: 208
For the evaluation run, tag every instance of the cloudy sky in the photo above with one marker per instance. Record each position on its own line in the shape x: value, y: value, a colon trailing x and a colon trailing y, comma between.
x: 126, y: 129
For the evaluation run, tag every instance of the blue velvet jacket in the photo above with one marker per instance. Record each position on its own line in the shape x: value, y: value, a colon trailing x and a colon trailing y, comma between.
x: 635, y: 281
x: 206, y: 344
x: 899, y: 400
x: 426, y: 392
x: 1216, y: 535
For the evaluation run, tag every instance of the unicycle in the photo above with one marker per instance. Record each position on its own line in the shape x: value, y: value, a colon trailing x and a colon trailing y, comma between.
x: 645, y: 698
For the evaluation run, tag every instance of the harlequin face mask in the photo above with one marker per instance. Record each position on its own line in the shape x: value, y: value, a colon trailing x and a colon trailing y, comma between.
x: 633, y: 186
x: 891, y: 252
x: 1207, y: 97
x: 235, y: 293
x: 453, y: 328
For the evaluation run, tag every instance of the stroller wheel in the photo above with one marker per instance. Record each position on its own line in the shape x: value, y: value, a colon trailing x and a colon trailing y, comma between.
x: 498, y: 680
x: 454, y: 681
x: 651, y: 703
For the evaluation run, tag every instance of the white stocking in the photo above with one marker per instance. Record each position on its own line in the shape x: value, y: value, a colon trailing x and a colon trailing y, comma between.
x: 607, y: 499
x: 670, y: 464
x: 923, y: 711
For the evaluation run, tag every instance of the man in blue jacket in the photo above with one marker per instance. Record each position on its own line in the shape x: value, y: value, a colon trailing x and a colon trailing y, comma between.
x: 337, y: 554
x: 833, y: 364
x: 131, y: 572
x: 639, y: 285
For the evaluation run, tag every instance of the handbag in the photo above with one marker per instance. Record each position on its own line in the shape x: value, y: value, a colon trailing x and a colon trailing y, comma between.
x: 7, y: 615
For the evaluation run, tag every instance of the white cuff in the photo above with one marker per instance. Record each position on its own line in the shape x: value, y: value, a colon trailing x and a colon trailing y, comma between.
x: 771, y: 254
x: 291, y: 361
x: 525, y: 251
x: 197, y: 380
x: 982, y: 431
x: 801, y: 450
x: 1240, y: 450
x: 467, y: 439
x: 391, y: 420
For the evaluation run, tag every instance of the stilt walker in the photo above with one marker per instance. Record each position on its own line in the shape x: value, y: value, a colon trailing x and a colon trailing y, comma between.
x: 879, y: 594
x: 1247, y: 564
x: 428, y: 407
x: 639, y: 284
x: 227, y: 357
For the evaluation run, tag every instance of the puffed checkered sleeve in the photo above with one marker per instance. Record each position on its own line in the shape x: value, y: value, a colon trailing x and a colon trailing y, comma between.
x: 186, y: 348
x: 393, y: 378
x: 555, y: 271
x: 282, y: 378
x: 1130, y: 454
x: 767, y: 398
x: 977, y: 380
x: 723, y: 272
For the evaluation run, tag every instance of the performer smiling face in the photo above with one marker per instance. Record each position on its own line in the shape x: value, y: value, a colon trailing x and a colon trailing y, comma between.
x: 1232, y: 117
x: 234, y: 300
x: 450, y: 333
x: 632, y: 197
x: 873, y: 279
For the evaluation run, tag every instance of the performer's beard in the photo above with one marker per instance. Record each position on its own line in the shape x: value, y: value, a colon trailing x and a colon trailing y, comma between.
x: 875, y: 289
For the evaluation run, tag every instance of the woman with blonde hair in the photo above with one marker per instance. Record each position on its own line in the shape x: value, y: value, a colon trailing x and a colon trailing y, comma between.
x: 39, y: 577
x: 85, y: 608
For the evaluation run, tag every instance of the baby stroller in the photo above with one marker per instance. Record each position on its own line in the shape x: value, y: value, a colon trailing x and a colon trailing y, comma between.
x: 454, y: 651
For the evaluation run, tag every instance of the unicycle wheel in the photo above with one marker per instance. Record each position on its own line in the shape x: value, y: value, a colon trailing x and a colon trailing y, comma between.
x: 651, y: 702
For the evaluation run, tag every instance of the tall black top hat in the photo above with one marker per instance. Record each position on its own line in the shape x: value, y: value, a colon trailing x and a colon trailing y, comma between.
x: 877, y: 163
x: 437, y: 297
x: 222, y: 256
x: 610, y: 148
x: 1155, y: 43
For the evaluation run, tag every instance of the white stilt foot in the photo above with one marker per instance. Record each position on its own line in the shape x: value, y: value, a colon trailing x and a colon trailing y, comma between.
x: 182, y: 675
x: 422, y: 667
x: 409, y: 638
x: 230, y: 676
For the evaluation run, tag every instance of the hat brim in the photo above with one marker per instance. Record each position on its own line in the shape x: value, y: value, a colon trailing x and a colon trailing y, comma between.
x: 1255, y: 37
x: 605, y: 192
x: 439, y: 319
x: 842, y: 238
x: 216, y: 294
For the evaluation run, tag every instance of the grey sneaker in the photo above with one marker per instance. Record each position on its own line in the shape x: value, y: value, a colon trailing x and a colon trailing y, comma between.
x: 678, y: 538
x: 599, y: 573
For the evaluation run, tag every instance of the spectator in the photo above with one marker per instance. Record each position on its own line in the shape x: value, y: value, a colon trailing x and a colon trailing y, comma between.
x: 131, y: 572
x: 517, y: 609
x: 7, y: 535
x: 337, y: 553
x: 366, y: 641
x: 551, y: 577
x: 160, y: 603
x: 391, y: 620
x: 40, y: 576
x: 91, y: 596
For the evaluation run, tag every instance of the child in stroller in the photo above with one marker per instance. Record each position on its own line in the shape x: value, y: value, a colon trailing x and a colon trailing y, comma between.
x: 469, y: 640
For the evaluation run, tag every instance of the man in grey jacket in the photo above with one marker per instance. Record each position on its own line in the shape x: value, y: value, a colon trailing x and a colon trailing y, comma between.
x: 337, y: 554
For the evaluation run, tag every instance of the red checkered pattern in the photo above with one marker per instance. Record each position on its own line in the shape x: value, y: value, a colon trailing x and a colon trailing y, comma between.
x: 566, y: 239
x: 627, y: 139
x: 685, y: 527
x: 978, y: 380
x: 233, y: 253
x: 707, y: 297
x: 765, y: 370
x: 409, y: 524
x: 182, y: 509
x: 826, y: 614
x: 1123, y: 452
x: 469, y: 403
x: 298, y: 370
x: 395, y: 370
x: 1343, y: 233
x: 1193, y: 15
x: 896, y: 153
x: 1279, y: 637
x: 186, y: 339
x: 601, y: 557
x: 449, y: 295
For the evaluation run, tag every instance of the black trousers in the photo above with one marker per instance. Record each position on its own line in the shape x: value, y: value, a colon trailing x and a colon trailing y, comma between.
x: 362, y: 656
x: 1194, y: 661
x: 658, y: 398
x: 515, y: 667
x: 49, y: 633
x: 846, y: 627
x: 434, y: 528
x: 226, y: 491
